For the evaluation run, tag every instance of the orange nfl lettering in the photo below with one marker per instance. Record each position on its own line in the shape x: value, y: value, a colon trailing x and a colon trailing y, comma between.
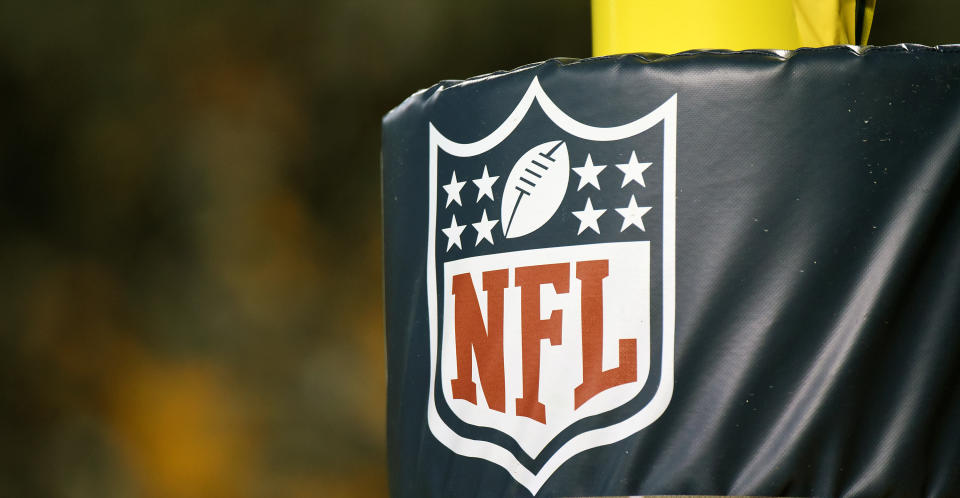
x: 595, y: 379
x: 533, y: 330
x: 485, y: 342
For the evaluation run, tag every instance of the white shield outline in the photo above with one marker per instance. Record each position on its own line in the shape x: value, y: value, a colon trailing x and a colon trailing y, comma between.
x: 667, y: 113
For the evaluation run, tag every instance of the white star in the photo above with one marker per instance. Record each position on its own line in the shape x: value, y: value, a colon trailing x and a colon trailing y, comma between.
x: 453, y: 233
x: 484, y: 228
x: 633, y: 170
x: 485, y: 184
x: 588, y: 217
x: 633, y: 215
x: 453, y: 189
x: 588, y: 173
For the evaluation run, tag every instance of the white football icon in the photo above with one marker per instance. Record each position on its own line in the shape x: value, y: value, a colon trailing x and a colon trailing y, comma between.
x: 535, y: 188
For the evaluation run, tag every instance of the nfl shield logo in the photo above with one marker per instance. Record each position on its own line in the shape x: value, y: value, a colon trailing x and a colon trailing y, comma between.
x: 550, y: 285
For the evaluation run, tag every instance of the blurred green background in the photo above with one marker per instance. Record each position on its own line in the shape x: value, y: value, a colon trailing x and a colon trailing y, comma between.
x: 190, y: 251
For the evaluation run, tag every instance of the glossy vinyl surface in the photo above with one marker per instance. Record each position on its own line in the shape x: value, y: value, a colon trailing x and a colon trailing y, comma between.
x: 817, y: 346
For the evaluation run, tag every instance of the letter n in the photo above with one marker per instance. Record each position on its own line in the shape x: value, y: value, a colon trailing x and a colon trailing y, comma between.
x: 484, y: 342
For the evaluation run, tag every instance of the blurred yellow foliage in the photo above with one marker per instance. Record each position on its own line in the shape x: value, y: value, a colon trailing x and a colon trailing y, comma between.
x: 183, y: 431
